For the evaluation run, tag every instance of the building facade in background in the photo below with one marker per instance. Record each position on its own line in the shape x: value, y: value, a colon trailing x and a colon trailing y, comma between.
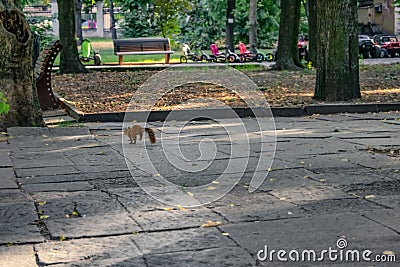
x: 378, y: 16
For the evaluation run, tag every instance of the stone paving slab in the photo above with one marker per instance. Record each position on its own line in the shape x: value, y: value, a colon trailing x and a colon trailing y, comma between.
x: 13, y: 196
x: 331, y: 206
x: 94, y: 156
x: 45, y: 171
x: 5, y: 160
x: 97, y: 214
x: 389, y: 218
x: 376, y: 188
x: 58, y: 187
x: 18, y: 223
x: 21, y: 256
x: 231, y: 256
x: 7, y: 179
x: 352, y: 176
x: 326, y: 161
x: 62, y: 178
x: 289, y: 178
x: 153, y: 215
x: 323, y: 185
x: 12, y: 233
x: 86, y: 169
x: 241, y: 206
x: 391, y: 201
x: 317, y: 233
x: 175, y: 219
x: 90, y: 251
x: 40, y: 160
x: 312, y: 192
x: 182, y: 240
x: 18, y: 213
x: 301, y: 147
x: 57, y: 120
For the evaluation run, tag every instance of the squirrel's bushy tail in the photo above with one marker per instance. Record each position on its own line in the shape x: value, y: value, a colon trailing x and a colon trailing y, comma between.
x: 152, y: 137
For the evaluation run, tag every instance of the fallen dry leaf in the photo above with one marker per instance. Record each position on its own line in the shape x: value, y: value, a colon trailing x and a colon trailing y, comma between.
x: 211, y: 224
x: 105, y: 91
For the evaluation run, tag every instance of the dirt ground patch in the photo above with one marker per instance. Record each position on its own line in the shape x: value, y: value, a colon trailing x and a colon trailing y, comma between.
x: 111, y: 91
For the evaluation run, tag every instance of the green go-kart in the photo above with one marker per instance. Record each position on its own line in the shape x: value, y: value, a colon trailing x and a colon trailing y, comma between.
x: 87, y: 53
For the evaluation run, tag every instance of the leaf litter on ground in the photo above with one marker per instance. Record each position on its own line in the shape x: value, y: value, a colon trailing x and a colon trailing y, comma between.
x: 112, y: 91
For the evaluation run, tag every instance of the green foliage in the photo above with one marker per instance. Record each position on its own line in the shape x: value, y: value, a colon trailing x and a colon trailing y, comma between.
x: 42, y: 26
x: 204, y: 24
x: 166, y: 14
x: 199, y: 22
x: 4, y: 107
x: 268, y: 12
x: 153, y: 18
x: 139, y: 19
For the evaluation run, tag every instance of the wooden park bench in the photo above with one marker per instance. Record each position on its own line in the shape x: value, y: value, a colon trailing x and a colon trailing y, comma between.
x: 43, y: 67
x: 142, y: 46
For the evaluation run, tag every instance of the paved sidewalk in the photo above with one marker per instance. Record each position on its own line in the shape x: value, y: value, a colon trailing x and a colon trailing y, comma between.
x: 67, y: 197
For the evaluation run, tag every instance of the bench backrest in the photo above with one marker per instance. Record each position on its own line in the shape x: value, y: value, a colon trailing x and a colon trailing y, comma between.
x: 43, y: 67
x: 141, y: 45
x: 46, y: 58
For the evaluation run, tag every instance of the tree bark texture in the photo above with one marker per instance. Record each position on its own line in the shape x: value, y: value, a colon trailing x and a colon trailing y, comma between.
x: 69, y: 57
x: 230, y: 26
x: 17, y: 82
x: 312, y: 32
x: 112, y: 18
x: 288, y: 53
x: 78, y: 21
x: 253, y: 25
x: 337, y: 51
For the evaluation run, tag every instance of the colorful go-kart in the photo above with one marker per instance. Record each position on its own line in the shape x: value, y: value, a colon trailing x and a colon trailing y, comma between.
x: 232, y: 56
x: 87, y: 53
x: 248, y: 56
x: 216, y: 55
x: 267, y: 57
x: 194, y: 56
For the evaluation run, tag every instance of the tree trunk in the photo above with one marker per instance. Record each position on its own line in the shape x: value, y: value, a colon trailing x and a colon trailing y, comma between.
x: 78, y: 21
x: 230, y: 26
x: 312, y: 32
x: 288, y: 53
x: 337, y: 51
x: 113, y: 29
x: 253, y: 26
x: 16, y: 70
x: 69, y: 57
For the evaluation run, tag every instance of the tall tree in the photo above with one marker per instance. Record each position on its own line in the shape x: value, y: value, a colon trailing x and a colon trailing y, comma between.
x: 337, y: 51
x: 16, y: 71
x: 288, y: 54
x: 78, y: 21
x: 112, y: 18
x: 312, y: 31
x: 230, y: 26
x: 69, y: 57
x: 253, y: 25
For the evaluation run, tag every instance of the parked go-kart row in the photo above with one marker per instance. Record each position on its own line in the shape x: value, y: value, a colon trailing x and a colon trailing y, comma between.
x: 222, y: 57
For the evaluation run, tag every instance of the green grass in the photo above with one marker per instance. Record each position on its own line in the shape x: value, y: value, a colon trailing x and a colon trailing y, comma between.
x: 248, y: 67
x: 108, y: 57
x: 100, y: 39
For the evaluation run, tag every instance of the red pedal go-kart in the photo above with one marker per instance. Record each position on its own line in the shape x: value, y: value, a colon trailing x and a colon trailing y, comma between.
x: 247, y: 55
